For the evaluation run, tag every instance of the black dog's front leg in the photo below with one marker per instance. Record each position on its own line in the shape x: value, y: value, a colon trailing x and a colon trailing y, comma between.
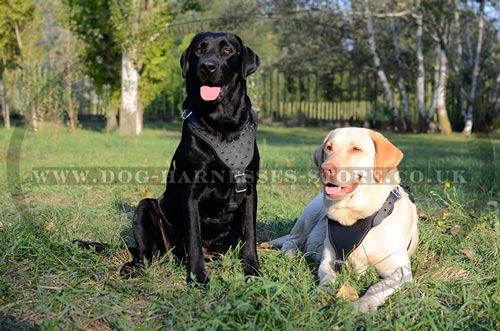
x: 247, y: 217
x: 195, y: 261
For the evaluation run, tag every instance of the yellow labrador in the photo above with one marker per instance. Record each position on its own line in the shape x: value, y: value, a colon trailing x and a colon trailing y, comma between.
x: 362, y: 218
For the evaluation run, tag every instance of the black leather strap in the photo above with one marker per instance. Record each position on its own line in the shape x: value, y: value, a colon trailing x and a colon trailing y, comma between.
x: 235, y: 155
x: 345, y: 239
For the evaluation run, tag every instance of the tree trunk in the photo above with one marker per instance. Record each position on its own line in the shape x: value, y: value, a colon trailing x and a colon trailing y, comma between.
x: 495, y: 104
x: 420, y: 73
x: 457, y: 64
x: 130, y: 111
x: 72, y: 118
x: 111, y: 122
x: 3, y: 98
x: 397, y: 124
x: 403, y: 90
x: 34, y: 117
x: 444, y: 121
x: 475, y: 73
x: 437, y: 79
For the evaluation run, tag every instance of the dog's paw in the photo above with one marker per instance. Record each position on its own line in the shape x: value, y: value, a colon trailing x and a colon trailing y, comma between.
x: 132, y: 269
x: 251, y: 271
x: 366, y: 304
x: 200, y: 278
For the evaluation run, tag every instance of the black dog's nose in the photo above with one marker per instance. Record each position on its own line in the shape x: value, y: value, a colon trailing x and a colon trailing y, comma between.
x: 208, y: 67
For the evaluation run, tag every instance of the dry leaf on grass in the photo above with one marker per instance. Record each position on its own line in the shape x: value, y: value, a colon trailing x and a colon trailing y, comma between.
x: 492, y: 204
x: 467, y: 253
x: 455, y: 230
x: 50, y: 227
x: 423, y: 216
x: 265, y: 245
x: 347, y: 293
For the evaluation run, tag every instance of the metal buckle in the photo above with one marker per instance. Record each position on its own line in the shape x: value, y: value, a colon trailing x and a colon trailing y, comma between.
x: 240, y: 183
x: 186, y: 113
x: 397, y: 193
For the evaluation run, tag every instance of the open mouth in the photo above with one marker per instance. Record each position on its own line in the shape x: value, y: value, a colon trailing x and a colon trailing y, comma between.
x: 337, y: 192
x: 210, y: 93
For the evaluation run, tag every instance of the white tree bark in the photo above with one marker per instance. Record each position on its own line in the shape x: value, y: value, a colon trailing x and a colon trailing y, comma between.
x: 495, y: 102
x: 475, y: 73
x: 420, y: 71
x: 444, y: 121
x: 401, y: 79
x: 439, y: 92
x: 457, y: 64
x: 437, y: 78
x: 3, y: 98
x: 130, y: 111
x: 380, y: 71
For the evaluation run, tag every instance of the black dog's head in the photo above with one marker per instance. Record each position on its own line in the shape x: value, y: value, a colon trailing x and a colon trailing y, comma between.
x: 215, y: 66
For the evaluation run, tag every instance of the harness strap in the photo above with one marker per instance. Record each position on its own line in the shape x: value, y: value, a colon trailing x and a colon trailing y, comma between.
x: 345, y: 239
x: 235, y: 155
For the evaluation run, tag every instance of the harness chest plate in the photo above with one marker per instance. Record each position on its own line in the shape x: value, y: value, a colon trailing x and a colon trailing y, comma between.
x: 345, y: 239
x: 235, y: 155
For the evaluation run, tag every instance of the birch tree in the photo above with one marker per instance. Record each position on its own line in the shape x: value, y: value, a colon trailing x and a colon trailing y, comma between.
x: 403, y: 90
x: 469, y: 116
x: 420, y: 84
x: 495, y: 102
x: 397, y: 124
x: 130, y: 110
x: 440, y: 20
x: 14, y: 16
x: 458, y: 62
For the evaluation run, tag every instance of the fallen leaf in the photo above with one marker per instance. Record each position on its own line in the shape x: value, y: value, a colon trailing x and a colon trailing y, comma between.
x: 492, y: 204
x: 147, y: 193
x: 467, y: 253
x: 455, y: 230
x: 423, y: 216
x: 50, y: 227
x: 265, y: 245
x: 347, y: 293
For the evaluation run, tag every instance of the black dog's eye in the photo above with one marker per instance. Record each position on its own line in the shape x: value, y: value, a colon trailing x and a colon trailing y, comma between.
x: 227, y: 51
x: 198, y: 50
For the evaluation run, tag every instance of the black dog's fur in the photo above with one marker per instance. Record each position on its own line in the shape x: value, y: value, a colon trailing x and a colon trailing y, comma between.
x: 185, y: 219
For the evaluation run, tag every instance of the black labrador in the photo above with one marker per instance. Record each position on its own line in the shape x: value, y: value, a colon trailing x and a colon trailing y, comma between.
x: 210, y: 201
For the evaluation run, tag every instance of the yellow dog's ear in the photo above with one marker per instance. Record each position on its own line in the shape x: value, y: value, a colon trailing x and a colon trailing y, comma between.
x: 387, y: 156
x: 318, y: 156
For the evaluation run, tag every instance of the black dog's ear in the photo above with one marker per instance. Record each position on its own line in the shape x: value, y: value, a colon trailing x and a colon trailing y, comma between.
x: 249, y: 60
x: 185, y: 56
x: 185, y: 62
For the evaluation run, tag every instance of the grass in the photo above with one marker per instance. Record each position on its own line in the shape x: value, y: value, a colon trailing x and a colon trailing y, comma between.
x: 47, y: 283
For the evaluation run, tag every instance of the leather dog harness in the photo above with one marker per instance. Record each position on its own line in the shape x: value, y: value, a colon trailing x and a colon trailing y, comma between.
x: 345, y: 239
x: 235, y: 155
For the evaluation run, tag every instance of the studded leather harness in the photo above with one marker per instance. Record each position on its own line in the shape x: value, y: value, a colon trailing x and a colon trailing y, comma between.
x: 345, y: 239
x: 235, y: 155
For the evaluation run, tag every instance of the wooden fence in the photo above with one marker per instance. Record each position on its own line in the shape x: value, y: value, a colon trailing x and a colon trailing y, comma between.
x: 321, y: 110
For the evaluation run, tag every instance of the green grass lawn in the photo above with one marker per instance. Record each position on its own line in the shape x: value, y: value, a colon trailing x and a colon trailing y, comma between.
x: 50, y: 284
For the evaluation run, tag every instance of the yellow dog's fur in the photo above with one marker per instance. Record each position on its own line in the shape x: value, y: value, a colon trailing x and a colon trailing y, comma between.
x: 366, y: 162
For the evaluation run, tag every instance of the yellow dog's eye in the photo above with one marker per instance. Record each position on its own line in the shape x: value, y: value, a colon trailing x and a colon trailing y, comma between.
x: 328, y: 148
x: 356, y: 149
x: 227, y: 51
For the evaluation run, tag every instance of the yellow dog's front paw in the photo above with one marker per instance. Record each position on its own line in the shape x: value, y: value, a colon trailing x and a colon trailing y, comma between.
x: 366, y: 304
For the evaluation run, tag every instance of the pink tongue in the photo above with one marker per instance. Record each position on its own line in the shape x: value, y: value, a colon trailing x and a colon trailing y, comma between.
x: 332, y: 190
x: 209, y: 93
